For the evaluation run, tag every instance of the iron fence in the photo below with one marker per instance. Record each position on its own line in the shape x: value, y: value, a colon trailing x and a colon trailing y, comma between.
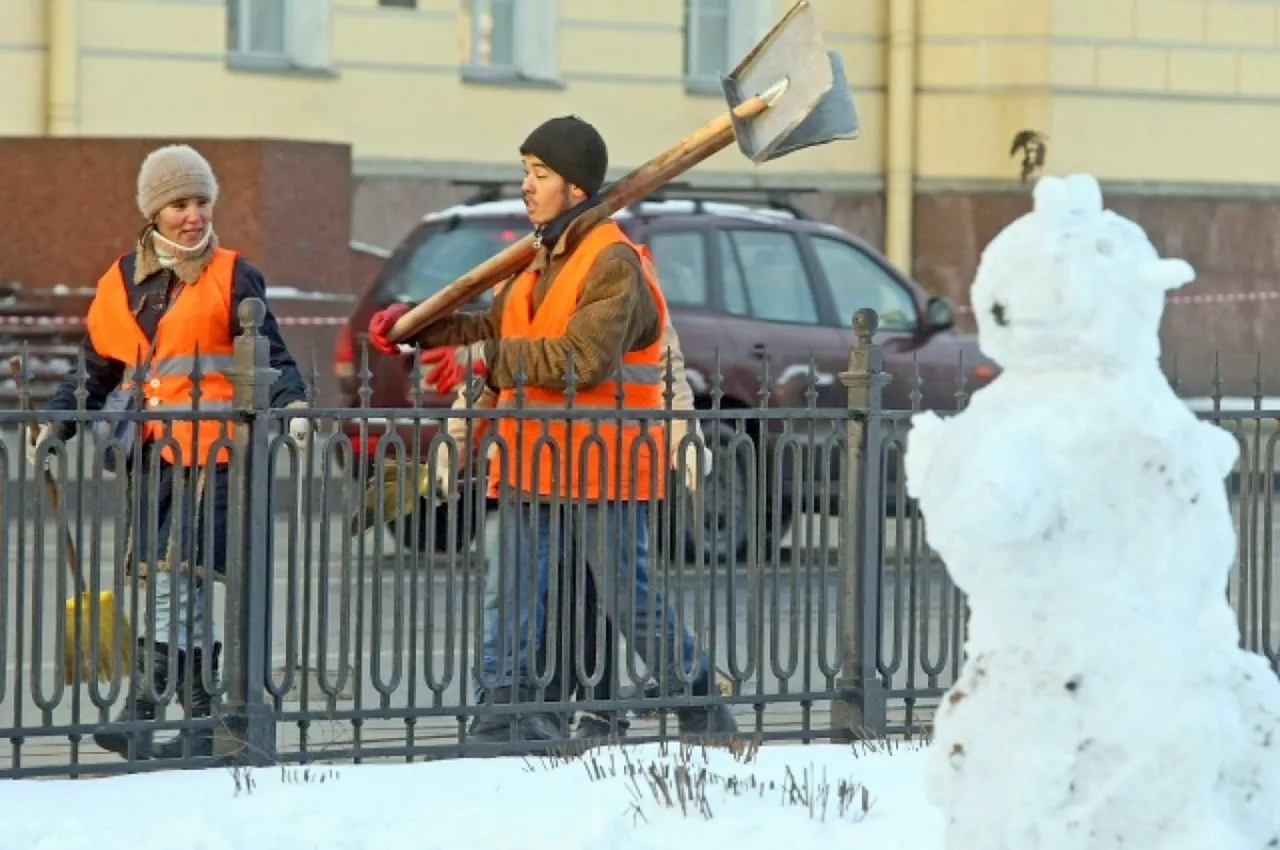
x: 350, y: 619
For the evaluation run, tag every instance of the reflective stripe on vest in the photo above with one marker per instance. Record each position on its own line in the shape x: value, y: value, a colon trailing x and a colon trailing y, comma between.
x: 195, y: 331
x: 183, y: 366
x: 545, y: 455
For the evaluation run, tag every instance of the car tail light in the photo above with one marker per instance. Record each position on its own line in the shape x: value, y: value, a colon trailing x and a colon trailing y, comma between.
x: 509, y: 235
x: 983, y: 373
x: 344, y: 353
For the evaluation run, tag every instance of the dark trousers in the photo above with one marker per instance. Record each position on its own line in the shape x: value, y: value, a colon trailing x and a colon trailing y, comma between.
x: 567, y: 683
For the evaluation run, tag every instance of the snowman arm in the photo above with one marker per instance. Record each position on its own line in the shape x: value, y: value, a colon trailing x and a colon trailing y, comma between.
x: 927, y: 430
x: 999, y: 493
x: 1219, y: 446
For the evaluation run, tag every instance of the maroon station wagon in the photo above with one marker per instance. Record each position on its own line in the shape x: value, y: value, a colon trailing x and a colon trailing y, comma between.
x: 752, y: 284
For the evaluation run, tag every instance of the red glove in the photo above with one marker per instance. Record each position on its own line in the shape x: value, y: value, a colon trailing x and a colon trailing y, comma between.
x: 451, y: 366
x: 380, y: 325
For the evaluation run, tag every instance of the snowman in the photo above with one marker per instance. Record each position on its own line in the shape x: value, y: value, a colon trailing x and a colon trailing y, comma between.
x: 1104, y: 702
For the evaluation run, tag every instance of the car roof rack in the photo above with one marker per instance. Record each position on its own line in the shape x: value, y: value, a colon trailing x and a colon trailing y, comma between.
x: 774, y: 199
x: 487, y: 191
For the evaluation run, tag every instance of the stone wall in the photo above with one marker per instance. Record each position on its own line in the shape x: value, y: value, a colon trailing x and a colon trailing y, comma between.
x: 1222, y: 317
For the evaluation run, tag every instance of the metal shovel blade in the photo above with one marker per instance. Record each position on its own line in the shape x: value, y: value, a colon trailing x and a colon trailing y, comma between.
x: 817, y: 106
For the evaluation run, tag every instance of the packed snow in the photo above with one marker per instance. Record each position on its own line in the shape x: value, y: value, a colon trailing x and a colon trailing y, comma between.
x: 1105, y: 703
x: 777, y: 797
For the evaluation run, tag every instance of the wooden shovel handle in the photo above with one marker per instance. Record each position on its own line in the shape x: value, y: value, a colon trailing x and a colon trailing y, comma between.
x: 55, y: 494
x: 685, y: 154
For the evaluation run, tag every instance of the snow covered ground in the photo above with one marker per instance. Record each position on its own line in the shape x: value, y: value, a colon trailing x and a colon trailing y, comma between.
x: 615, y: 798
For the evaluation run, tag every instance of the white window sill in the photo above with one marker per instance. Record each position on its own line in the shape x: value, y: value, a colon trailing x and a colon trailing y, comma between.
x: 262, y: 64
x: 486, y: 75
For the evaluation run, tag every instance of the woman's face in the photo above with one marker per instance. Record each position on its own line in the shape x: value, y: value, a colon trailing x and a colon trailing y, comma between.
x: 186, y: 221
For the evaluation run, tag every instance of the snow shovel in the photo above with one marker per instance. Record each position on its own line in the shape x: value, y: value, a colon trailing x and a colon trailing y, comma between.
x: 78, y: 666
x: 788, y: 93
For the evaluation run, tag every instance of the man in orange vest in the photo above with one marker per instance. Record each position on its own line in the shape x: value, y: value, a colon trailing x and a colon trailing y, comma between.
x: 161, y: 314
x: 587, y: 303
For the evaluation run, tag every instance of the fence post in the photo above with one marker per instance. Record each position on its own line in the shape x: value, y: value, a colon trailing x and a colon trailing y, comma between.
x: 248, y: 734
x: 862, y: 710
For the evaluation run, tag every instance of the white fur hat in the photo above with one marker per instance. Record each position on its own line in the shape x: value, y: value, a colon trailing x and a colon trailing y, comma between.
x: 172, y: 173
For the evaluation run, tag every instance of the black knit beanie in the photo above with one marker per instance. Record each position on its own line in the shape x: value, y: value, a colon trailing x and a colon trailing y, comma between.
x: 573, y: 149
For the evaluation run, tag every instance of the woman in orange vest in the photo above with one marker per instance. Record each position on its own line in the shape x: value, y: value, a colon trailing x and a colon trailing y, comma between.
x: 587, y: 299
x: 165, y: 315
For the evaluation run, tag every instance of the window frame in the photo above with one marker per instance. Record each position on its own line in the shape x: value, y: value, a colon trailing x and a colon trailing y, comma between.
x: 409, y: 247
x: 827, y: 290
x: 535, y: 45
x: 298, y: 54
x: 726, y: 230
x: 710, y: 290
x: 746, y: 23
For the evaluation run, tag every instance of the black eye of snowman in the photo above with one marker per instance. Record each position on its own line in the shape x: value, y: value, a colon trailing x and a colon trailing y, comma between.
x: 997, y: 313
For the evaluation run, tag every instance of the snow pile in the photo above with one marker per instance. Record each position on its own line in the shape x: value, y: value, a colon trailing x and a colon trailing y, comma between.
x: 629, y: 798
x: 1104, y: 702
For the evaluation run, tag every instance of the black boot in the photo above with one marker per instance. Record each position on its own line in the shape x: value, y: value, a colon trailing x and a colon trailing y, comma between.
x: 711, y: 720
x: 593, y: 725
x: 193, y: 743
x: 496, y: 728
x: 138, y: 705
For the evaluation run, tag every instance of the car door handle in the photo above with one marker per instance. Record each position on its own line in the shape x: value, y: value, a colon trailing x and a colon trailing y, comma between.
x: 759, y: 351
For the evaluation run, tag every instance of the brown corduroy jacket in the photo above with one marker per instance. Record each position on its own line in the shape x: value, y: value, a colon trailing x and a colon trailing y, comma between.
x: 616, y: 313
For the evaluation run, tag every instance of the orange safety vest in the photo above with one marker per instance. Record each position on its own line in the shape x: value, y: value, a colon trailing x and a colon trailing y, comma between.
x: 548, y: 456
x: 198, y: 322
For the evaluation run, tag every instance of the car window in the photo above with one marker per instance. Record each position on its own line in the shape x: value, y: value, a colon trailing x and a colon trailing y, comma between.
x: 857, y: 281
x: 776, y: 284
x: 443, y: 255
x: 681, y: 259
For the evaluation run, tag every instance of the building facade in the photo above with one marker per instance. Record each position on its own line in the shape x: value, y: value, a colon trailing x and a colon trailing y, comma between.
x: 1174, y: 104
x: 423, y: 91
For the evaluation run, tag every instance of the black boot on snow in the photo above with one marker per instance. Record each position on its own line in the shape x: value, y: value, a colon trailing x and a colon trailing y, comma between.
x: 193, y: 743
x: 709, y: 721
x: 497, y: 728
x: 137, y: 705
x: 594, y: 726
x: 713, y: 720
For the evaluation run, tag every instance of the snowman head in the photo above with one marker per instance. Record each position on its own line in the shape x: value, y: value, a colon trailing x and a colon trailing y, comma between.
x: 1071, y: 285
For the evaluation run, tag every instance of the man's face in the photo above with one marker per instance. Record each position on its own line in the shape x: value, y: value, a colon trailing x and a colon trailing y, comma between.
x: 546, y: 194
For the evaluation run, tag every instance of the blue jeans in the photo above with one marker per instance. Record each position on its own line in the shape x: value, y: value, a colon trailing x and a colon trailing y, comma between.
x: 175, y: 582
x: 615, y: 542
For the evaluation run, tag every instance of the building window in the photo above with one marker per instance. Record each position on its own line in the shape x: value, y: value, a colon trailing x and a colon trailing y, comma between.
x: 510, y: 40
x: 718, y: 33
x: 279, y: 34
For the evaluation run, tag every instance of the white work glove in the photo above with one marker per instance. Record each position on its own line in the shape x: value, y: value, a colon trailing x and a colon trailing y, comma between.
x: 480, y: 397
x: 34, y: 438
x: 300, y: 427
x: 444, y: 478
x: 692, y: 480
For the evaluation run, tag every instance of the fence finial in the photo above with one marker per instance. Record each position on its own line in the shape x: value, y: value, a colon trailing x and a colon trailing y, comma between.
x: 251, y: 313
x: 865, y: 324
